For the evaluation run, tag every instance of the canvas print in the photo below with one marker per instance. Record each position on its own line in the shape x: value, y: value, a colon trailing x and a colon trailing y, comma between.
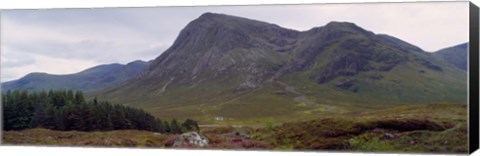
x: 368, y: 77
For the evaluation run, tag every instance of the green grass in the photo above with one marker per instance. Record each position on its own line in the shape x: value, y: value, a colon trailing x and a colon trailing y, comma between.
x: 434, y: 128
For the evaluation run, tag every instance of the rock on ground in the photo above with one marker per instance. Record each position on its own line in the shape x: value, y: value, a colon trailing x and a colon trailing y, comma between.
x: 191, y: 139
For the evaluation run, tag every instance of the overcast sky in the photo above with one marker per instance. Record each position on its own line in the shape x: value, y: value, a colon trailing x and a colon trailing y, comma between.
x: 63, y: 41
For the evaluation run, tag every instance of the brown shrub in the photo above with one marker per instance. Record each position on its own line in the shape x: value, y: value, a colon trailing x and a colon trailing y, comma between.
x: 254, y: 144
x: 332, y: 133
x: 409, y: 125
x: 219, y: 130
x: 171, y: 140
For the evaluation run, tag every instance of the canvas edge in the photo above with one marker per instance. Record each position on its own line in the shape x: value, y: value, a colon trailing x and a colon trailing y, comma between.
x: 473, y: 68
x: 1, y: 100
x: 473, y: 86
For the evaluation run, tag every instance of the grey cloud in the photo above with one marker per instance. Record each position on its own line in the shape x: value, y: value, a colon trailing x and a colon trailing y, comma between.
x: 5, y: 77
x: 16, y: 61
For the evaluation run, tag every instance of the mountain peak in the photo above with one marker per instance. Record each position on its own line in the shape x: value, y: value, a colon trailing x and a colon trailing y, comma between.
x: 214, y: 17
x: 225, y: 32
x: 137, y: 62
x: 456, y: 55
x: 210, y: 19
x: 210, y: 15
x: 343, y: 26
x: 340, y: 24
x: 36, y: 74
x: 339, y: 27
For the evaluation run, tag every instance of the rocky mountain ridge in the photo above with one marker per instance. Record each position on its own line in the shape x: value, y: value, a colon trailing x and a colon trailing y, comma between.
x: 225, y: 65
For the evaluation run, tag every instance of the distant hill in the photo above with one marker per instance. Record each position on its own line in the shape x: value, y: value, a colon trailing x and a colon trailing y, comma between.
x: 456, y: 55
x: 238, y: 68
x: 91, y: 79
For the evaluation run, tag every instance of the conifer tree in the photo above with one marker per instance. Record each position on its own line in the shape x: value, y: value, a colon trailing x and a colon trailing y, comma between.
x: 66, y: 110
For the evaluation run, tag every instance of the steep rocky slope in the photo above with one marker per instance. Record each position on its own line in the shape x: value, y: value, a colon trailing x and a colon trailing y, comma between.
x: 222, y: 65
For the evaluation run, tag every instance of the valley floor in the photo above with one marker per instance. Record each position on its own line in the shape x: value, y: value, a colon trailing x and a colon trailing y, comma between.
x: 436, y: 128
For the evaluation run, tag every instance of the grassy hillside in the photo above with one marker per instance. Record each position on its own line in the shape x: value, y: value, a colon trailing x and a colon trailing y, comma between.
x: 436, y: 128
x: 456, y: 55
x: 254, y: 72
x: 296, y: 97
x: 92, y: 79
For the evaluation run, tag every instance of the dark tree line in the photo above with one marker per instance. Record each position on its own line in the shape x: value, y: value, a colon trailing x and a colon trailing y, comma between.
x: 66, y: 110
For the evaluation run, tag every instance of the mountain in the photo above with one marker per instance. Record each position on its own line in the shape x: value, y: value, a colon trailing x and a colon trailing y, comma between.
x: 243, y: 69
x: 456, y: 55
x: 91, y: 79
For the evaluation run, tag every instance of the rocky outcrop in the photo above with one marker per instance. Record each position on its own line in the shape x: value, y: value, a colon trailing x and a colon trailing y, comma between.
x: 350, y: 84
x: 190, y: 139
x: 342, y: 65
x: 429, y: 65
